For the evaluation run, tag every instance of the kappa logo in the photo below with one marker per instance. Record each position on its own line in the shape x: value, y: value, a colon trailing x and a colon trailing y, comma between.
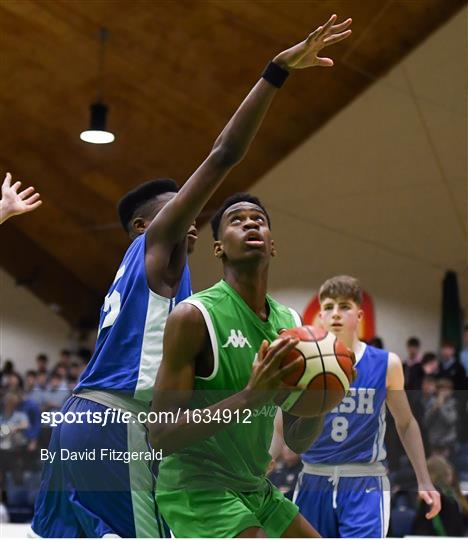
x: 237, y: 339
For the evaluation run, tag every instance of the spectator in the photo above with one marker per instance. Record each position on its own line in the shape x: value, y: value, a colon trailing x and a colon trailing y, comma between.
x: 441, y: 418
x: 464, y: 353
x: 377, y: 342
x: 57, y: 392
x: 39, y: 392
x: 84, y: 354
x: 285, y: 472
x: 8, y: 367
x: 429, y: 365
x: 13, y: 423
x: 413, y: 349
x: 14, y: 382
x: 64, y: 361
x: 32, y: 411
x: 450, y: 521
x: 420, y: 401
x: 42, y: 361
x: 76, y: 369
x: 62, y: 372
x: 30, y: 381
x: 450, y: 367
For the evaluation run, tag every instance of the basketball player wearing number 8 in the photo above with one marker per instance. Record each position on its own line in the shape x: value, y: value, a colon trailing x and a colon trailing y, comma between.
x: 343, y: 489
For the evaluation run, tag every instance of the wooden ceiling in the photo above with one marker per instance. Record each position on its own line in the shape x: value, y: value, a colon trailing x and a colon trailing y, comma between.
x: 174, y: 72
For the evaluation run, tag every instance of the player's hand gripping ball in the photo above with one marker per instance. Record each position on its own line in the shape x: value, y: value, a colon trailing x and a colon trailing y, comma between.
x: 323, y: 377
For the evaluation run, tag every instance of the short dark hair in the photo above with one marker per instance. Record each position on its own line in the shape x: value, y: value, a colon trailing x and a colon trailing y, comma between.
x: 230, y: 201
x: 377, y: 342
x: 413, y: 342
x: 18, y: 378
x: 341, y: 287
x: 132, y: 201
x: 428, y: 357
x: 447, y: 342
x: 42, y: 357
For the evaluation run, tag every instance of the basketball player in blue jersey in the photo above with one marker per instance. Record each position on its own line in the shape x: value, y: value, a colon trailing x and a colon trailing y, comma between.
x: 343, y: 490
x: 102, y: 493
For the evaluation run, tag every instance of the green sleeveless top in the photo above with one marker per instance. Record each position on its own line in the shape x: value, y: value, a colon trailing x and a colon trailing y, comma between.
x: 237, y: 456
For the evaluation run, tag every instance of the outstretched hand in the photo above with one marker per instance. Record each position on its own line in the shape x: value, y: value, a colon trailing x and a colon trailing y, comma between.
x: 304, y: 54
x: 13, y: 203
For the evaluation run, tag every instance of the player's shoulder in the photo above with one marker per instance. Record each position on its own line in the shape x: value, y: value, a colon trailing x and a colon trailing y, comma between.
x: 284, y: 311
x: 382, y: 353
x: 135, y: 250
x: 210, y: 297
x: 394, y: 362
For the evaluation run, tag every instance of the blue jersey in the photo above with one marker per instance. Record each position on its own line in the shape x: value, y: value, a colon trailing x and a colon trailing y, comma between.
x: 131, y: 327
x: 354, y: 431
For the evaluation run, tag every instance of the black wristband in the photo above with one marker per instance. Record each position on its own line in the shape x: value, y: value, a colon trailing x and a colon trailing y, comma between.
x: 275, y: 74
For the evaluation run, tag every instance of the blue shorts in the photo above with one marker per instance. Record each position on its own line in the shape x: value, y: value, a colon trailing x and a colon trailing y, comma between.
x: 355, y: 507
x: 90, y: 497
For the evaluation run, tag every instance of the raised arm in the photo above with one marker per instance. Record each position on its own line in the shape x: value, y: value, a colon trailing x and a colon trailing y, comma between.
x: 185, y: 340
x: 14, y: 203
x: 171, y: 224
x: 409, y: 433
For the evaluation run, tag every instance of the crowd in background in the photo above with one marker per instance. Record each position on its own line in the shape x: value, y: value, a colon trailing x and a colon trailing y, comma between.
x: 436, y: 384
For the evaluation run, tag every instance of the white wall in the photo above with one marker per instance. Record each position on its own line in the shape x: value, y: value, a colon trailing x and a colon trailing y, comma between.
x: 28, y: 326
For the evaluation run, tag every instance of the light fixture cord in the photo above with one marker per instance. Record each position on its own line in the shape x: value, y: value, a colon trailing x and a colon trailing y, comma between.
x: 103, y: 37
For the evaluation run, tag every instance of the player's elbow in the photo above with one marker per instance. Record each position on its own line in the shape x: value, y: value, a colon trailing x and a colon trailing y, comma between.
x: 224, y: 155
x: 299, y: 446
x: 403, y: 425
x: 296, y: 447
x: 157, y: 438
x: 162, y: 439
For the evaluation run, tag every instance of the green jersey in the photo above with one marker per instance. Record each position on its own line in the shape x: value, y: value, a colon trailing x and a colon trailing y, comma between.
x: 237, y: 456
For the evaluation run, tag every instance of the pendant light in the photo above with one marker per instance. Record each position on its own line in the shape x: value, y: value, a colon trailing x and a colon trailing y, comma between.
x: 97, y: 132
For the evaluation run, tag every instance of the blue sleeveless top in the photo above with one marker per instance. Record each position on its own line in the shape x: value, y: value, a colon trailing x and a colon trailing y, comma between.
x: 354, y: 431
x: 131, y: 327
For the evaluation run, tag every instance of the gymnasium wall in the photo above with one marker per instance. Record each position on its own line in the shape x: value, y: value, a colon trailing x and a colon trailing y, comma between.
x: 28, y: 326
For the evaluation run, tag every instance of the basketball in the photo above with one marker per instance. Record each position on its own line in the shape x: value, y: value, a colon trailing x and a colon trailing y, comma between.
x: 326, y: 371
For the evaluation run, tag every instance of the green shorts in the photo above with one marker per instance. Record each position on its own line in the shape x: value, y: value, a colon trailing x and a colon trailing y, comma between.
x: 225, y: 513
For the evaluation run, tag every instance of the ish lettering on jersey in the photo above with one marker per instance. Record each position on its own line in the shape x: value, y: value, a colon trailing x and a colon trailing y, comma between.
x: 354, y: 431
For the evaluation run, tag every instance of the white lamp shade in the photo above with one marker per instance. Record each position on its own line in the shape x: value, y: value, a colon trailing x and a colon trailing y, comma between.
x: 95, y: 136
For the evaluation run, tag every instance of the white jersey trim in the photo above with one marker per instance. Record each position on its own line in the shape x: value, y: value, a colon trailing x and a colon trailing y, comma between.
x: 384, y: 504
x: 152, y: 345
x: 296, y: 317
x: 211, y: 331
x: 360, y: 352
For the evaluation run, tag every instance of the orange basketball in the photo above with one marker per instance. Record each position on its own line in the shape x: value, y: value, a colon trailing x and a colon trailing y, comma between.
x: 325, y: 372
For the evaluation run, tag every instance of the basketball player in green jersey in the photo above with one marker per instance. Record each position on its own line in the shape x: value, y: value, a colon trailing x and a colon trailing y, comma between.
x: 218, y: 376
